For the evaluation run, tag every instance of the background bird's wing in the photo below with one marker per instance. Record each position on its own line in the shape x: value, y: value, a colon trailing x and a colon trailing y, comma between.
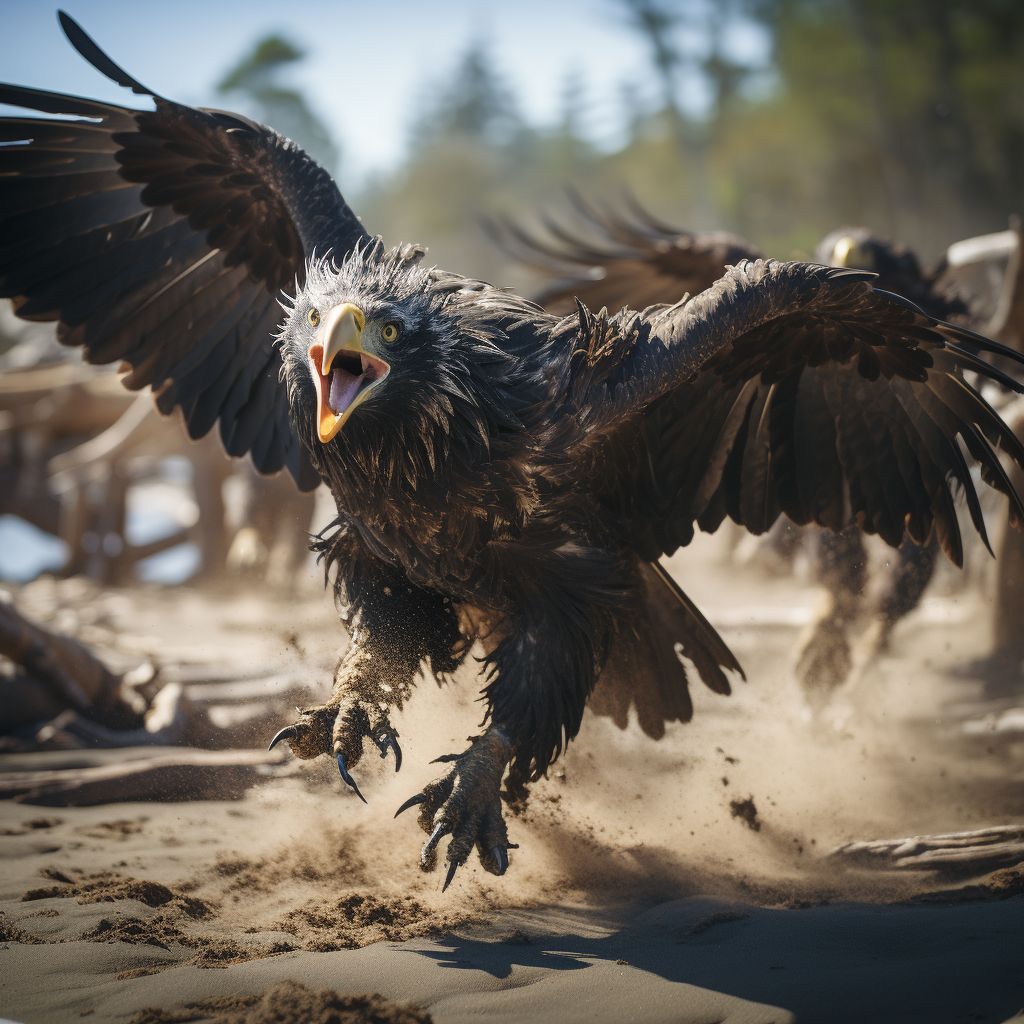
x: 788, y: 387
x: 785, y: 387
x: 163, y: 239
x: 621, y: 259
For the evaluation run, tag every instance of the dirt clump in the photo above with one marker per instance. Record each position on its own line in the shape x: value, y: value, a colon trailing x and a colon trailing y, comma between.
x: 56, y: 875
x: 1000, y: 885
x: 745, y: 811
x: 211, y: 951
x: 162, y: 929
x: 291, y: 1003
x: 10, y: 932
x: 122, y: 828
x: 721, y: 917
x: 105, y: 888
x: 136, y: 972
x: 360, y: 918
x: 30, y: 826
x: 108, y: 886
x: 131, y: 929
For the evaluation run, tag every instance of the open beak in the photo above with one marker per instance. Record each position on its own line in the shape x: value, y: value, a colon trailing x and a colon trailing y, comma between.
x: 343, y: 371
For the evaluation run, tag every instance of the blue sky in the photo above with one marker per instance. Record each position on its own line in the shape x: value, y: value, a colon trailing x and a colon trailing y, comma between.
x: 369, y: 65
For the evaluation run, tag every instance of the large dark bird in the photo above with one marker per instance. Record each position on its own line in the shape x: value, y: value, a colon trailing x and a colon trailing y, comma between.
x: 627, y: 259
x: 500, y: 473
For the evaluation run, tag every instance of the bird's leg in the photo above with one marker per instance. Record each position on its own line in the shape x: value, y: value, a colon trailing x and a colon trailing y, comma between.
x: 368, y: 682
x: 465, y: 803
x: 540, y: 671
x: 823, y: 652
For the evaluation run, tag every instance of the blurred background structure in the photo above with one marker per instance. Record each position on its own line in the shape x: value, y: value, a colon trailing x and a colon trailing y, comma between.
x: 779, y: 120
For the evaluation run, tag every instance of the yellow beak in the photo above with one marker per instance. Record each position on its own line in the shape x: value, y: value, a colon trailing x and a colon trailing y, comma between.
x: 847, y: 253
x: 343, y: 371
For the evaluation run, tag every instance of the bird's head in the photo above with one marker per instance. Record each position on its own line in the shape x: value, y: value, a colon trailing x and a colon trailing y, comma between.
x: 380, y: 349
x: 861, y: 249
x: 897, y: 268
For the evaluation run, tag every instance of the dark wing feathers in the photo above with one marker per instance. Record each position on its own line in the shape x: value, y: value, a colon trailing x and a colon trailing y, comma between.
x: 163, y: 239
x: 96, y: 57
x: 798, y: 389
x: 618, y: 261
x: 644, y: 668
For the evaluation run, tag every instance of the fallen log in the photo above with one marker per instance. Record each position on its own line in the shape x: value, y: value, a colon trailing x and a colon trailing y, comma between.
x: 72, y: 674
x: 181, y: 775
x: 955, y: 852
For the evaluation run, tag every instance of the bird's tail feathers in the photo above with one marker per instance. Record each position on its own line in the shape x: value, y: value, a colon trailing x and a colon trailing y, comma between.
x: 647, y: 664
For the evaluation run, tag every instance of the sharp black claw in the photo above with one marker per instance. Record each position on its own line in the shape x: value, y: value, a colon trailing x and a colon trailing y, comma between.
x: 289, y: 732
x: 452, y: 868
x: 501, y: 856
x: 428, y: 846
x: 348, y: 778
x: 411, y: 802
x: 388, y: 742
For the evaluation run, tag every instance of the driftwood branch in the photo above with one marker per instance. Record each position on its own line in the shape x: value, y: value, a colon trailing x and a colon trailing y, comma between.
x: 973, y: 852
x: 72, y: 674
x: 182, y: 775
x: 1007, y: 323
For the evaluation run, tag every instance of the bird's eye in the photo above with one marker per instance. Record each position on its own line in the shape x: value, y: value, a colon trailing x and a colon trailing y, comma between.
x: 314, y: 317
x: 391, y: 331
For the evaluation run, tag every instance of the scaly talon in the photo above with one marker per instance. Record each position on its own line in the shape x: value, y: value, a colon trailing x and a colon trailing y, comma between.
x: 465, y: 803
x: 387, y: 741
x: 452, y: 868
x: 348, y: 778
x: 428, y: 853
x: 419, y: 798
x: 289, y: 732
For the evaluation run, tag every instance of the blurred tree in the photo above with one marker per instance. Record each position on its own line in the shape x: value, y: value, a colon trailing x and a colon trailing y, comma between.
x: 655, y: 23
x: 471, y: 153
x: 911, y: 114
x: 256, y: 78
x: 907, y: 117
x: 724, y: 75
x: 475, y: 104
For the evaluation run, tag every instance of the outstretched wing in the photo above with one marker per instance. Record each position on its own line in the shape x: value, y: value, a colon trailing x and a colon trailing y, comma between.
x: 632, y: 260
x: 787, y: 387
x: 163, y: 239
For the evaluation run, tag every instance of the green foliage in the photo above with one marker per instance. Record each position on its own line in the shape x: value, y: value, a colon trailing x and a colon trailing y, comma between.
x: 903, y: 115
x: 256, y: 78
x: 476, y: 104
x: 907, y: 116
x: 654, y: 22
x: 252, y: 71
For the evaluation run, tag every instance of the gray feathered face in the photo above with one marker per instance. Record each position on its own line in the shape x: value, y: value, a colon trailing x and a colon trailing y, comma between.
x: 362, y: 338
x: 349, y: 340
x: 380, y: 349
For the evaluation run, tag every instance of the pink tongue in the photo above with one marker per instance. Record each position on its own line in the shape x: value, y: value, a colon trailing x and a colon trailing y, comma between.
x: 344, y: 387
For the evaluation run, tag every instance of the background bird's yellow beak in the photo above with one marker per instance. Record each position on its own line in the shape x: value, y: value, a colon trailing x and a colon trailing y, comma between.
x: 847, y: 253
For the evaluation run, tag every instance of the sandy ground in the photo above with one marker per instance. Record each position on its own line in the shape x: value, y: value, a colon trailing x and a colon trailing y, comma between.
x: 638, y: 892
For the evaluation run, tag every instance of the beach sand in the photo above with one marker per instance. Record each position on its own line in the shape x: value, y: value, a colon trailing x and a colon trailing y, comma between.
x: 686, y: 880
